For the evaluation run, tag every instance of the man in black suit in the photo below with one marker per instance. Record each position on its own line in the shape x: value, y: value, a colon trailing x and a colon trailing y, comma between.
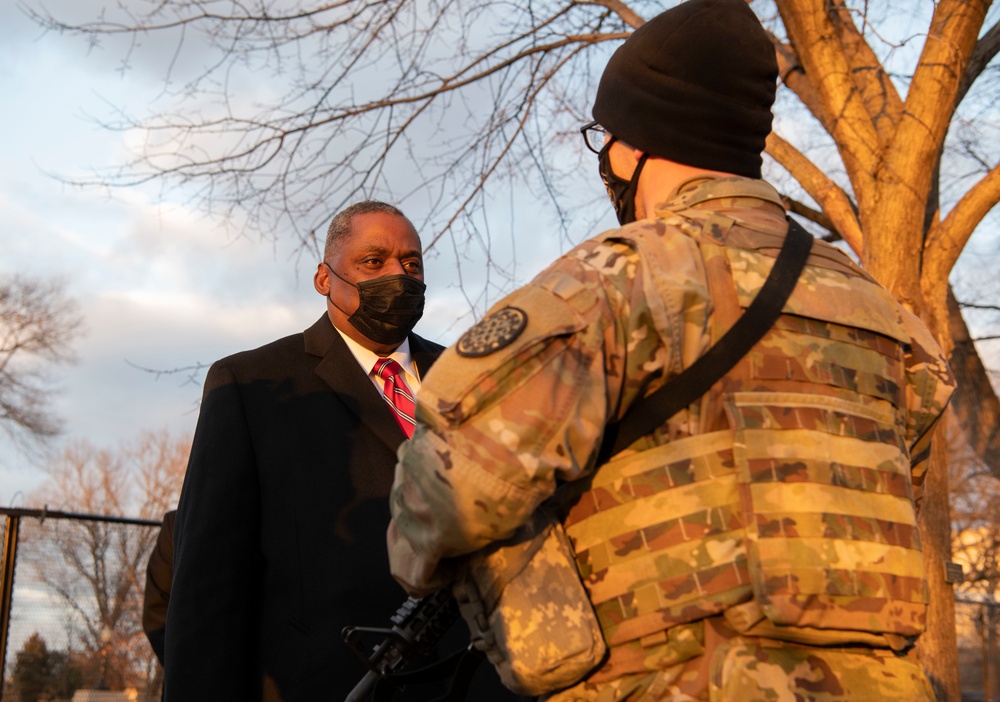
x: 280, y: 529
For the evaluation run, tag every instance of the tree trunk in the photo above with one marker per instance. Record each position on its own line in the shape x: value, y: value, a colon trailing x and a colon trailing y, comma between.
x: 975, y: 404
x: 938, y: 645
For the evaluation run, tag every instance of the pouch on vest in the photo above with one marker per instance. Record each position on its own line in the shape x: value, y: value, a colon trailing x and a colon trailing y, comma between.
x: 824, y: 474
x: 527, y: 610
x: 832, y: 544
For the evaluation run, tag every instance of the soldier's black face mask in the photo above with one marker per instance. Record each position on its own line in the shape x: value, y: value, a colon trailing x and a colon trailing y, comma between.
x: 621, y: 191
x: 389, y: 307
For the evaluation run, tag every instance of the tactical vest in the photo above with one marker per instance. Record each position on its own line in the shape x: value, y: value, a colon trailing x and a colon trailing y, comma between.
x: 793, y: 510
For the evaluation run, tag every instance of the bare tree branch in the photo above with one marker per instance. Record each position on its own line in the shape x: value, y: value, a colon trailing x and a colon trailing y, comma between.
x: 984, y: 53
x: 37, y: 325
x: 978, y: 413
x: 834, y: 201
x: 97, y: 569
x: 947, y: 238
x: 975, y: 306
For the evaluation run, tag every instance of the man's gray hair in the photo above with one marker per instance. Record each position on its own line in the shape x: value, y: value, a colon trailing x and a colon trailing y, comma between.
x: 340, y: 227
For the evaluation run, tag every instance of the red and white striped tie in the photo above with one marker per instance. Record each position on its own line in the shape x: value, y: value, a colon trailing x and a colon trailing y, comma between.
x: 397, y: 394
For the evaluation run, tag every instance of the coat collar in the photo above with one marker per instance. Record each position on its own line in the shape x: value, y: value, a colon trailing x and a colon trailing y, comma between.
x: 340, y: 370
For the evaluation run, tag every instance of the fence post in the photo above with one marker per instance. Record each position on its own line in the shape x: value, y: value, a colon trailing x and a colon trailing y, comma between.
x: 7, y: 587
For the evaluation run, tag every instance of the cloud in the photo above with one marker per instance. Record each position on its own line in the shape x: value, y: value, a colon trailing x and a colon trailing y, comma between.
x: 111, y: 397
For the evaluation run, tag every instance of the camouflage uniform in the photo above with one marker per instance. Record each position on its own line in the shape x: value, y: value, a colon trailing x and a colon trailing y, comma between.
x: 762, y: 539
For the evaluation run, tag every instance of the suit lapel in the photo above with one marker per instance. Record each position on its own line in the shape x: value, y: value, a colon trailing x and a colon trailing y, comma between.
x: 424, y: 354
x: 340, y: 370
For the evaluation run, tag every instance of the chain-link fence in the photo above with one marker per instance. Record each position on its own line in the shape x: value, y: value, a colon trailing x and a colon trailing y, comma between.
x: 71, y: 626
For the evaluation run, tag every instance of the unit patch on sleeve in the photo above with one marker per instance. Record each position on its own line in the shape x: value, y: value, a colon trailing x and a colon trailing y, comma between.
x: 492, y: 333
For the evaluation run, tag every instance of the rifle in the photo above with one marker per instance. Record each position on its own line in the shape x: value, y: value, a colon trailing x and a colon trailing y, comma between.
x: 417, y: 626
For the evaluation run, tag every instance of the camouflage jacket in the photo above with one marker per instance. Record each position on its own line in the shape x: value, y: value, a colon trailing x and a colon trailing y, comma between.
x: 837, y: 400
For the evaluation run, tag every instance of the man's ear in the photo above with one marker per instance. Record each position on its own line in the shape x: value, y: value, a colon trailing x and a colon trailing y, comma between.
x: 321, y: 281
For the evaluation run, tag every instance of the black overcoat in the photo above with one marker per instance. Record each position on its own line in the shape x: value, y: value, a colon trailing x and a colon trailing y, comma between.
x: 280, y: 530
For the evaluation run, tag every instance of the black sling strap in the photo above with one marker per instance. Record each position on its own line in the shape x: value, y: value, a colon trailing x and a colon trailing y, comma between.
x: 655, y: 409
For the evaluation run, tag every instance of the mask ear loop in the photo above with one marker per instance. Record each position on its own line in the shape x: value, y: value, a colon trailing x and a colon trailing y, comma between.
x: 624, y: 211
x: 602, y: 157
x: 330, y: 268
x: 607, y: 145
x: 633, y: 184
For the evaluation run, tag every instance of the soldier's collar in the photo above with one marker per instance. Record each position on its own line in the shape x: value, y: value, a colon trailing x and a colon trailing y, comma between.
x: 702, y: 188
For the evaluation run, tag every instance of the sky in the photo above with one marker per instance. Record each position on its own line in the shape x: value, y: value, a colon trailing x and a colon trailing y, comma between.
x: 160, y: 285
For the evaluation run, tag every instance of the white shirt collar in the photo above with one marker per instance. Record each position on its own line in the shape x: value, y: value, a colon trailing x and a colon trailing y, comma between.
x: 367, y: 359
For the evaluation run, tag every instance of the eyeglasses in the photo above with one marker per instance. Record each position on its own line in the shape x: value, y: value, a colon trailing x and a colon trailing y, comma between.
x: 594, y: 136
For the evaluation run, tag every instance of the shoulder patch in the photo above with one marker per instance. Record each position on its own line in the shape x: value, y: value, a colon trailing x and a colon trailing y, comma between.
x: 492, y: 333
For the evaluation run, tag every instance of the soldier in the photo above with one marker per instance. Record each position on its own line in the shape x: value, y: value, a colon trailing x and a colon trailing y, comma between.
x: 761, y: 543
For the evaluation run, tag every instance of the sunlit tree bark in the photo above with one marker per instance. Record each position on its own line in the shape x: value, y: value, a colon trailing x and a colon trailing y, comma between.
x: 890, y: 148
x: 976, y: 545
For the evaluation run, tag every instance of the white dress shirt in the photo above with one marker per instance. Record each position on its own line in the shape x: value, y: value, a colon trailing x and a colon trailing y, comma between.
x: 367, y: 360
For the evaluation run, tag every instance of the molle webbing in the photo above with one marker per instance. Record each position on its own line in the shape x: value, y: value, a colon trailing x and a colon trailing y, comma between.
x: 803, y: 504
x: 645, y: 573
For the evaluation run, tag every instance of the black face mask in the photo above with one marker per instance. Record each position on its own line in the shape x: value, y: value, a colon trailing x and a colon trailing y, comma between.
x: 389, y: 307
x: 621, y: 191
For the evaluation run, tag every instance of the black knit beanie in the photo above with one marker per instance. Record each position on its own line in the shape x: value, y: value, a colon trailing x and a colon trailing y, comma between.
x: 695, y: 85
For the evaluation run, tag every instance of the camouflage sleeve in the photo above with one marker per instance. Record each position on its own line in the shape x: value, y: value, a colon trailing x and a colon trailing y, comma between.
x: 495, y: 432
x: 929, y: 386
